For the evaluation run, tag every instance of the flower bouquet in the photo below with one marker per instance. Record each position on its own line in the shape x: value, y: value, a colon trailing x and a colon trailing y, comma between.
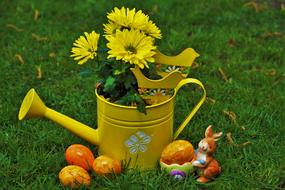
x: 130, y: 43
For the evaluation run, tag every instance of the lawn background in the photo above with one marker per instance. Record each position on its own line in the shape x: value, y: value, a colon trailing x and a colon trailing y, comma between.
x: 243, y: 41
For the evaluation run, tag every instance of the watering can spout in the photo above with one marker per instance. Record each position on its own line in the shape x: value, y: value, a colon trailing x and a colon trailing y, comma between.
x: 33, y: 106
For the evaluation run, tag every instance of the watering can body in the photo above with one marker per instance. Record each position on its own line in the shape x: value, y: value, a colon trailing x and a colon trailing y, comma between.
x: 134, y: 137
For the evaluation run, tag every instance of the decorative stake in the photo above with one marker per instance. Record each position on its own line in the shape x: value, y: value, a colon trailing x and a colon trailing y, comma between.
x: 168, y: 80
x: 185, y: 58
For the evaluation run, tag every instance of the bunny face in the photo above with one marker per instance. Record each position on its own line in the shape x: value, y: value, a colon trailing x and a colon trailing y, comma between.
x: 207, y: 145
x: 203, y: 145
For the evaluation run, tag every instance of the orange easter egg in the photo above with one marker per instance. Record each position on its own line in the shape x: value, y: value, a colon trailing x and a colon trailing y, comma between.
x: 74, y: 176
x: 177, y: 152
x: 79, y: 155
x: 104, y: 165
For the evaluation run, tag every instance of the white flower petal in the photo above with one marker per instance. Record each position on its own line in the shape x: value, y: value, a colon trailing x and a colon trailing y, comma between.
x: 134, y: 139
x: 143, y: 148
x: 140, y: 134
x: 129, y: 143
x: 133, y: 150
x: 146, y: 140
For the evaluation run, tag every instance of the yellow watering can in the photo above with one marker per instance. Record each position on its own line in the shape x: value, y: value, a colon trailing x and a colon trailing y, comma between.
x: 124, y: 133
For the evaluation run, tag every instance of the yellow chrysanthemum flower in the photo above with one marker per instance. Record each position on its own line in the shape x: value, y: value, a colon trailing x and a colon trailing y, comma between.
x: 111, y: 27
x: 131, y: 46
x: 152, y: 30
x: 131, y: 19
x: 139, y: 20
x: 85, y: 47
x: 119, y: 16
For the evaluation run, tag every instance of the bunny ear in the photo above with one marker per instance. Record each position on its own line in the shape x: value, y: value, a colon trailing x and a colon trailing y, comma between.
x: 217, y: 136
x: 208, y: 132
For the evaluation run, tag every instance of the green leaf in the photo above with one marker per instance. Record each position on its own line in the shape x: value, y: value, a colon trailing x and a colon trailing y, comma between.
x: 129, y: 80
x: 132, y: 97
x: 140, y: 104
x: 121, y: 68
x: 109, y: 84
x: 117, y: 72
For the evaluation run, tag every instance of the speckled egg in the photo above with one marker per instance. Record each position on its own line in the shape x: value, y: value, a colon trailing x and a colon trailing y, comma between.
x: 79, y: 155
x: 104, y: 165
x: 74, y: 176
x: 177, y: 152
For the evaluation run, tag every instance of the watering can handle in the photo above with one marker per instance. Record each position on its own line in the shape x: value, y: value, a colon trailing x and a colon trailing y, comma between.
x: 195, y: 109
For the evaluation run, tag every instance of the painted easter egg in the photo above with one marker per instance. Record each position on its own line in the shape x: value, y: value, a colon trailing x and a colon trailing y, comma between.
x: 178, y: 174
x: 74, y: 176
x: 104, y: 165
x: 177, y: 152
x: 79, y: 155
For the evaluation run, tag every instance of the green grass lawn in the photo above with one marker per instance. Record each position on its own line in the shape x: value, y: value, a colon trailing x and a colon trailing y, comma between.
x: 248, y: 101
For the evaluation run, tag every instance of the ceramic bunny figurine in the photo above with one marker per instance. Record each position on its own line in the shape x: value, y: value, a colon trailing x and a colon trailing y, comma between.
x: 208, y: 167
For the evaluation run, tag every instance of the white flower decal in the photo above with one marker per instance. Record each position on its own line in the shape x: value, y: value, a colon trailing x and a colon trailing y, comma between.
x: 138, y: 142
x: 170, y: 69
x: 158, y: 92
